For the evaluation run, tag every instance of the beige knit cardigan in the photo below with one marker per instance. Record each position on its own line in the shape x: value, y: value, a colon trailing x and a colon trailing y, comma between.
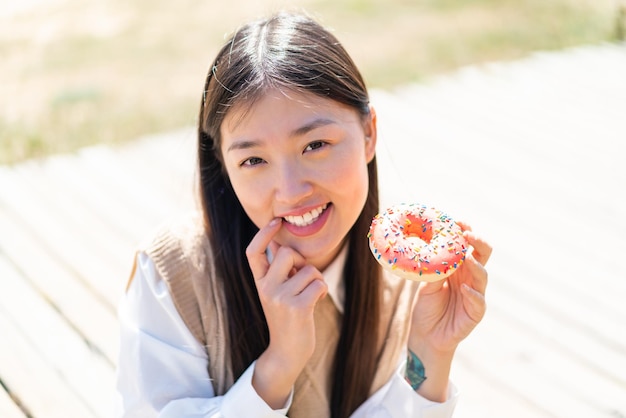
x: 184, y: 259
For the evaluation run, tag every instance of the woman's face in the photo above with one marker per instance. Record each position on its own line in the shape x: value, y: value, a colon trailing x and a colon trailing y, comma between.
x: 302, y: 158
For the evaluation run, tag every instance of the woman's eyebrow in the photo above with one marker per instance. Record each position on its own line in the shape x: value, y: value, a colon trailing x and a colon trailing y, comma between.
x: 302, y: 130
x: 241, y: 145
x: 314, y: 124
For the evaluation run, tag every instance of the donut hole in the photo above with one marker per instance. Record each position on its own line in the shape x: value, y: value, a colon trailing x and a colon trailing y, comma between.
x: 416, y: 228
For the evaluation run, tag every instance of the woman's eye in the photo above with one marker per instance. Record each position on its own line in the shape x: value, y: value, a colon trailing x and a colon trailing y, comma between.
x: 252, y: 161
x: 314, y: 145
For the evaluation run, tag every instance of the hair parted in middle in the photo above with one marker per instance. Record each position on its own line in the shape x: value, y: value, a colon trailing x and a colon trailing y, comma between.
x: 289, y: 52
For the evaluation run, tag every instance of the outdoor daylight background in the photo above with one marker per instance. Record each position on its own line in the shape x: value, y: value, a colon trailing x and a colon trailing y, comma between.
x: 507, y: 114
x: 80, y: 72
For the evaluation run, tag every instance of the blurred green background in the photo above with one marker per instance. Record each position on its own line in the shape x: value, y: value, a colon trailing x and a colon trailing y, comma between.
x: 75, y: 73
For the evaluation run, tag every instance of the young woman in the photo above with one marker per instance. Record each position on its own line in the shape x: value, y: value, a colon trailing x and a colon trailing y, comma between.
x: 269, y: 303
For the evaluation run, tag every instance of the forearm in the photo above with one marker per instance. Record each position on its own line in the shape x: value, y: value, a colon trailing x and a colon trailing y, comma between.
x: 432, y: 381
x: 172, y: 375
x: 272, y: 381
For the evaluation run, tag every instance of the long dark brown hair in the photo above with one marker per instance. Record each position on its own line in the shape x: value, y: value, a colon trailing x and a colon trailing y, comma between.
x: 292, y: 52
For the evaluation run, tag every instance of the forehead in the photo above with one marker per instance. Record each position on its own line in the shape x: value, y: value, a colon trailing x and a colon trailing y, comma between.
x: 278, y: 109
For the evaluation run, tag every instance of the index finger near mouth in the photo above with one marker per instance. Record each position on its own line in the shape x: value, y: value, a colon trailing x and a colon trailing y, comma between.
x: 256, y: 250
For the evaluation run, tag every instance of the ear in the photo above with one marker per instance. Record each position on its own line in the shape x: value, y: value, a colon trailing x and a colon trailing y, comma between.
x: 370, y: 135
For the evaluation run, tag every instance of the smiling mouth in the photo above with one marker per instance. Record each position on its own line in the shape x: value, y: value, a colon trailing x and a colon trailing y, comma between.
x: 306, y: 218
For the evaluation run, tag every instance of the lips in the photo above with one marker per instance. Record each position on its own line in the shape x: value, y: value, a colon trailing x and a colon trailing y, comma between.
x: 306, y: 218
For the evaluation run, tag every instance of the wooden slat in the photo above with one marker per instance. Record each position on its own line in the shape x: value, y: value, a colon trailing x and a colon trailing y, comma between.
x: 45, y: 363
x: 140, y: 198
x: 8, y: 407
x: 484, y: 394
x: 57, y: 281
x: 105, y: 204
x: 166, y: 162
x: 75, y: 235
x: 536, y: 370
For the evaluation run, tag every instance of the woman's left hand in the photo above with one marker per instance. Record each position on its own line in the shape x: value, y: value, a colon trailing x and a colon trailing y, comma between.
x: 448, y: 310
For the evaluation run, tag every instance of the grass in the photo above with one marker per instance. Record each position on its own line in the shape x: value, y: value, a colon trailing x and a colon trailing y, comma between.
x: 77, y: 73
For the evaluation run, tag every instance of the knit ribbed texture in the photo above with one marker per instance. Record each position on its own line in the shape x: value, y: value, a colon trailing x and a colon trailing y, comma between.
x: 182, y: 255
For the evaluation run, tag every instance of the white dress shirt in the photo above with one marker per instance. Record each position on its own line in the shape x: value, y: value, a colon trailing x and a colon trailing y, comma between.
x: 162, y: 369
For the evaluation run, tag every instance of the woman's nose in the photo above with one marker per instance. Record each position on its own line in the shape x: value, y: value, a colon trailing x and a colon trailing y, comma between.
x: 293, y: 184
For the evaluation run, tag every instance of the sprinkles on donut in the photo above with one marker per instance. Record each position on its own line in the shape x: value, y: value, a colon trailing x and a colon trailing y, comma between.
x: 417, y: 242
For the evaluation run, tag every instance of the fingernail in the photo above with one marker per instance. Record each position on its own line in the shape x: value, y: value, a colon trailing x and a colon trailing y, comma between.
x: 275, y: 221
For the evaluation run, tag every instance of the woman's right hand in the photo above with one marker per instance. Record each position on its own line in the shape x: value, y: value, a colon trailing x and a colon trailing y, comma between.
x: 289, y: 289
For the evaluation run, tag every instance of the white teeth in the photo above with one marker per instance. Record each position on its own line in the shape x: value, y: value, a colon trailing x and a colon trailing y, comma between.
x: 307, y: 218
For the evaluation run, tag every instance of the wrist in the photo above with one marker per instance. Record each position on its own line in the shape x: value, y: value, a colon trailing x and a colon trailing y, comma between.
x: 272, y: 380
x: 428, y: 371
x: 424, y: 344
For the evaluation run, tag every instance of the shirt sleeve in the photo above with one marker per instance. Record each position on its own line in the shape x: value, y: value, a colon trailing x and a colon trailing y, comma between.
x: 162, y: 369
x: 396, y: 399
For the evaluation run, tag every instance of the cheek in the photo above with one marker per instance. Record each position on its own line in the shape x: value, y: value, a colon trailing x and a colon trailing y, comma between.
x: 353, y: 183
x: 254, y: 196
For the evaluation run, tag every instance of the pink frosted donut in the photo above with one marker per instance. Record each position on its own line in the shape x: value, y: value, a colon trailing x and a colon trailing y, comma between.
x: 417, y: 242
